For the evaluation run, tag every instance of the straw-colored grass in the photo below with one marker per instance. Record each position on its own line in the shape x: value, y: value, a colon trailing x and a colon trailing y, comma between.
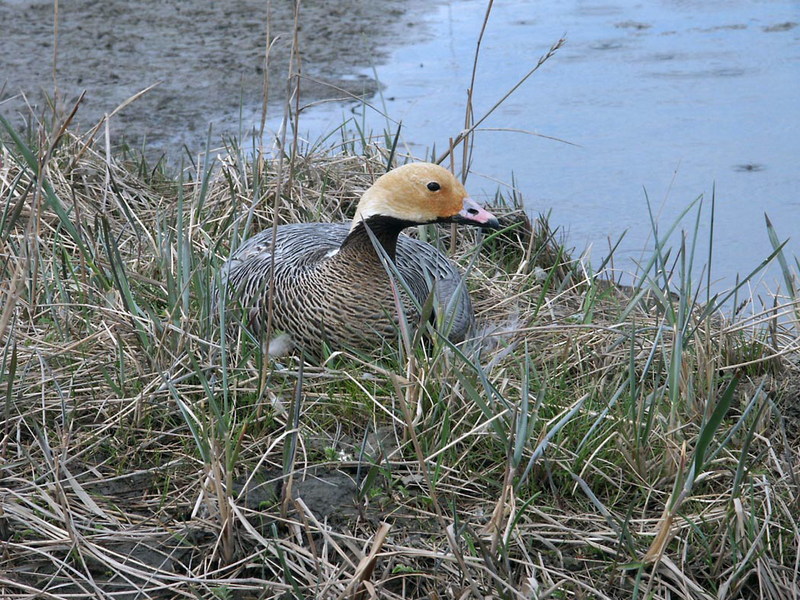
x: 605, y: 443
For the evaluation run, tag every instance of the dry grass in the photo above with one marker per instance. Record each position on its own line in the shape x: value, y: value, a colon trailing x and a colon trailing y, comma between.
x: 605, y: 444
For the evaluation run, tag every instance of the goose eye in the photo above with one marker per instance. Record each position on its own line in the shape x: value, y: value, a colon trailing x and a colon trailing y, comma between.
x: 434, y: 186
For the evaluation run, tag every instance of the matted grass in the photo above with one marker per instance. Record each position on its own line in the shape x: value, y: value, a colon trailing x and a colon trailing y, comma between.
x: 598, y: 442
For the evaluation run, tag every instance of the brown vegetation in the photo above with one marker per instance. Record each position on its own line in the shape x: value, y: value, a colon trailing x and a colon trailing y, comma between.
x: 604, y: 443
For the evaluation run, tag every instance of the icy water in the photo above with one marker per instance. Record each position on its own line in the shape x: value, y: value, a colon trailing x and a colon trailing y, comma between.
x: 663, y: 100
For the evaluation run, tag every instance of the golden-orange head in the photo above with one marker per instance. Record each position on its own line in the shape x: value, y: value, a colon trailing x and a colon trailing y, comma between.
x: 421, y: 193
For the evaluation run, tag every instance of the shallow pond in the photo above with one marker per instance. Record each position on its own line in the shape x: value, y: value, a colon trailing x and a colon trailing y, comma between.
x: 668, y: 100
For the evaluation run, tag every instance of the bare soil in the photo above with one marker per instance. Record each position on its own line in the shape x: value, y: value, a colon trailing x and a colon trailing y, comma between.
x: 207, y: 57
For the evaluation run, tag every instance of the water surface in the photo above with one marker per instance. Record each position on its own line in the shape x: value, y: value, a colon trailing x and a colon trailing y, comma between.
x: 665, y: 100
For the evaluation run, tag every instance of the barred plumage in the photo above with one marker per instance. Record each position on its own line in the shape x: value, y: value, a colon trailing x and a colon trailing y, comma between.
x: 330, y: 283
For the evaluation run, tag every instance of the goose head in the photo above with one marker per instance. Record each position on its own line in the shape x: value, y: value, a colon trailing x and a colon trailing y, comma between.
x: 420, y: 193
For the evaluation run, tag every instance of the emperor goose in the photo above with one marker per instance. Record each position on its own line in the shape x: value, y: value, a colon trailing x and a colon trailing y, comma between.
x: 330, y: 283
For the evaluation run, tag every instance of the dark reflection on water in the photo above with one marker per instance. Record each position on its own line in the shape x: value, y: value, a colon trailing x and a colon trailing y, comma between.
x: 702, y: 73
x: 748, y: 168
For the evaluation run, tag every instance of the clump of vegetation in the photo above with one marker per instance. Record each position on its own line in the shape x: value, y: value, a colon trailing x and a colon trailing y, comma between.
x: 596, y: 441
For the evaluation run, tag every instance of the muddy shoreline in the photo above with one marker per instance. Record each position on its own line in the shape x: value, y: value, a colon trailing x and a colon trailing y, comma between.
x: 205, y: 58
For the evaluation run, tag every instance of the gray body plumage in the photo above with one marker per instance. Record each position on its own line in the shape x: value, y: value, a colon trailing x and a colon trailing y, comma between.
x: 340, y: 294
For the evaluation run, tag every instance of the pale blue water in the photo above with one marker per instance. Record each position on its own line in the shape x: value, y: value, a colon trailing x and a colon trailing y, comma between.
x: 672, y: 98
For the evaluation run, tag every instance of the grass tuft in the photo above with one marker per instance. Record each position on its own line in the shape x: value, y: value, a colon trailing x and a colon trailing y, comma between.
x: 597, y: 440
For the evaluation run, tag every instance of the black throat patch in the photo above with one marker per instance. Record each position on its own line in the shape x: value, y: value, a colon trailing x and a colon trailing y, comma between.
x: 385, y: 229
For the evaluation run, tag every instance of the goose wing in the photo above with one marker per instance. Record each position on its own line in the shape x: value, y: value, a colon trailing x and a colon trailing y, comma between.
x: 423, y: 267
x: 247, y: 272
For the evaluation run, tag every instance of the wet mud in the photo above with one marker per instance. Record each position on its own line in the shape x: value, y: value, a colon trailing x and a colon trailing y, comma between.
x: 206, y: 60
